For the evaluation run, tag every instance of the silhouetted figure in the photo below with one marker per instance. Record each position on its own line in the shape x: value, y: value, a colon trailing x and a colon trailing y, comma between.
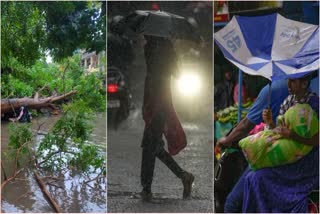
x: 160, y: 117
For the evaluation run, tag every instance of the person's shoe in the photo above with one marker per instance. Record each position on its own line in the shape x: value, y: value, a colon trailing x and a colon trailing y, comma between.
x: 187, y: 181
x: 146, y: 195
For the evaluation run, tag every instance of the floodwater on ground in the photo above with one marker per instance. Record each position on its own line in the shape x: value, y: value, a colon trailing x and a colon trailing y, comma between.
x: 71, y: 191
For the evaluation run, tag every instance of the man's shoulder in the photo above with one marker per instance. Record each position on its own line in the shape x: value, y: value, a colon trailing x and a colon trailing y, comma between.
x: 314, y: 99
x: 314, y: 102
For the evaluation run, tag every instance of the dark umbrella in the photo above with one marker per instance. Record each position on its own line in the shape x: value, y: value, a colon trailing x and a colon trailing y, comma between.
x: 161, y: 24
x: 120, y: 51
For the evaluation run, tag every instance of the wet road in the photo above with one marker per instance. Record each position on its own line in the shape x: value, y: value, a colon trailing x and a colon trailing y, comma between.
x: 124, y: 159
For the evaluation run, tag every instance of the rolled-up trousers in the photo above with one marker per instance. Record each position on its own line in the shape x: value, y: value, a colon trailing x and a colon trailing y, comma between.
x: 152, y: 147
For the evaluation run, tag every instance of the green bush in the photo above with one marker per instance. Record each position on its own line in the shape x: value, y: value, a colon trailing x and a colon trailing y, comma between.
x: 17, y: 88
x: 19, y: 134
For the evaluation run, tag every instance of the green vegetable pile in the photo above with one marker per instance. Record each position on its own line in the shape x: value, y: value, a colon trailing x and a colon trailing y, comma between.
x: 230, y: 114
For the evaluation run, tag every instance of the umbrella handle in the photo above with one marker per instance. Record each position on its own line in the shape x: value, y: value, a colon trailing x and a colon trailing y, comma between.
x: 269, y: 95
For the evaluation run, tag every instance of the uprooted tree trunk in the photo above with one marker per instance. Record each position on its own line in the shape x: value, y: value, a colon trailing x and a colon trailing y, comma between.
x: 8, y: 105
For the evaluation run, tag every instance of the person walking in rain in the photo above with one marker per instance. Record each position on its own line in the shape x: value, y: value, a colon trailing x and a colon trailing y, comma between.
x: 160, y: 117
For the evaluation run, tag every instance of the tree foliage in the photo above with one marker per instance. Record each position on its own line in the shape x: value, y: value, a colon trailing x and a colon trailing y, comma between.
x: 67, y: 144
x: 29, y: 29
x: 73, y: 24
x: 68, y: 140
x: 56, y: 78
x: 22, y: 33
x: 19, y: 135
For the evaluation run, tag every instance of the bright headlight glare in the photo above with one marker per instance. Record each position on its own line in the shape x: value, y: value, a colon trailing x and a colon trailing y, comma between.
x: 189, y: 84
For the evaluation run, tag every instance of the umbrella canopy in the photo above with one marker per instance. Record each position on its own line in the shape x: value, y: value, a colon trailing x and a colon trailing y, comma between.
x: 270, y: 46
x: 161, y: 24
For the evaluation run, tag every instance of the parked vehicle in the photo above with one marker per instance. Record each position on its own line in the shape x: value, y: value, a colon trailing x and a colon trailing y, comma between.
x: 119, y: 97
x: 227, y: 170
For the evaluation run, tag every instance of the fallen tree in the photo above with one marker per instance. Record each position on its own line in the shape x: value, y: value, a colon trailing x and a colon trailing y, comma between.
x: 8, y: 105
x: 45, y: 157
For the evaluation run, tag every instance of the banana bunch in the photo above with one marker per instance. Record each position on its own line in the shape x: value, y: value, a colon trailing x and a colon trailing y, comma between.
x: 230, y: 114
x: 248, y: 104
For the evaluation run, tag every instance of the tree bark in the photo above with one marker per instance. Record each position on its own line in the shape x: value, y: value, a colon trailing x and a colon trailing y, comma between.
x: 8, y: 105
x: 4, y: 183
x: 44, y: 190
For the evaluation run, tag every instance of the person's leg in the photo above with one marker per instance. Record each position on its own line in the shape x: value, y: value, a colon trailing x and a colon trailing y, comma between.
x: 157, y: 127
x: 167, y: 159
x: 147, y: 168
x: 152, y: 141
x: 235, y: 198
x: 147, y: 165
x: 186, y: 177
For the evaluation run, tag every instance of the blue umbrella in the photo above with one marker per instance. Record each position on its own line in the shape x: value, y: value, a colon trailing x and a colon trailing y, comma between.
x: 270, y: 46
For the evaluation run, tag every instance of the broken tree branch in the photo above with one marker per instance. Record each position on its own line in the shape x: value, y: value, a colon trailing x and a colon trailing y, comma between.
x: 56, y: 186
x: 4, y: 183
x: 51, y: 177
x: 44, y: 190
x: 15, y: 172
x: 53, y: 154
x: 95, y: 178
x: 17, y: 156
x: 41, y: 89
x: 23, y: 195
x: 3, y: 171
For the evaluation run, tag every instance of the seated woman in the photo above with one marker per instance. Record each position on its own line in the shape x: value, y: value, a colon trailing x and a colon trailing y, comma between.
x: 24, y: 115
x: 282, y: 189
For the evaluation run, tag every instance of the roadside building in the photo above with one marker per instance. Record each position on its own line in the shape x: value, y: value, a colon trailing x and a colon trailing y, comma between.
x: 93, y: 62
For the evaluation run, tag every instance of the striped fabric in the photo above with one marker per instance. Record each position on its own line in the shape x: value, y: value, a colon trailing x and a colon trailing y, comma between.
x: 291, y: 101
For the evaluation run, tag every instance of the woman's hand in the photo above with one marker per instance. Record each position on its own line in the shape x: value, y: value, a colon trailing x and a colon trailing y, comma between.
x: 267, y: 117
x: 283, y: 131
